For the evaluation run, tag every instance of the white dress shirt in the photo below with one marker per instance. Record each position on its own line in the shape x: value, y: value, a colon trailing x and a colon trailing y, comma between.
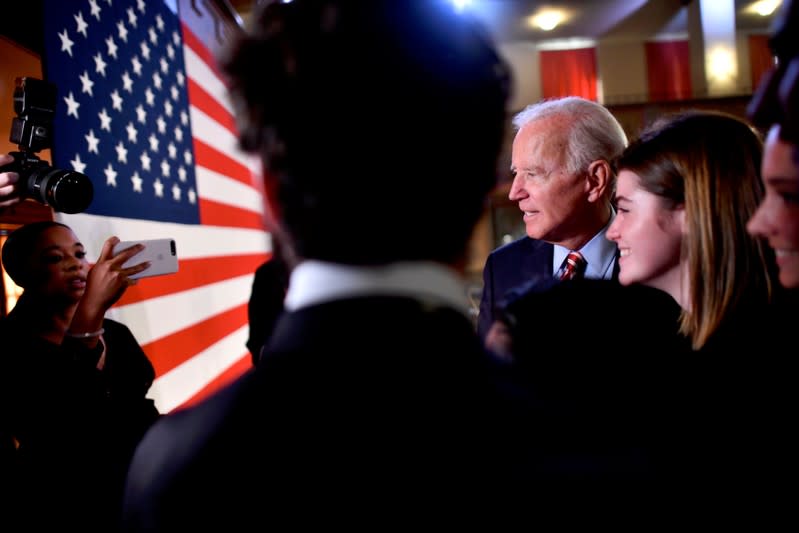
x: 316, y: 282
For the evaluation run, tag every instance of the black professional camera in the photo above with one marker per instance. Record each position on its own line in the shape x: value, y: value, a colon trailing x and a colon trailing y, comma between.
x: 64, y: 190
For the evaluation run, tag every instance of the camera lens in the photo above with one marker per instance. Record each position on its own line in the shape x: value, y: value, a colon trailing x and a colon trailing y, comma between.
x: 66, y: 191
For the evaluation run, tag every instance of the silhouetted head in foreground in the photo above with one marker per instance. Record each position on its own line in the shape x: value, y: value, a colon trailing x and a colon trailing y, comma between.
x: 378, y: 125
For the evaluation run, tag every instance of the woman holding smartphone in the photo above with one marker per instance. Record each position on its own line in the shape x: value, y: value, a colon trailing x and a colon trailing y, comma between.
x: 73, y: 383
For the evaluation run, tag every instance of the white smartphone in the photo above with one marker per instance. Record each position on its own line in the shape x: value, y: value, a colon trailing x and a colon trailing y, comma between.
x: 161, y: 253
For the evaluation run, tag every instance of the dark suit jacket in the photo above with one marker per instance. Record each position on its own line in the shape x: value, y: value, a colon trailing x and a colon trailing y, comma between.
x: 507, y: 267
x: 361, y: 406
x: 524, y: 261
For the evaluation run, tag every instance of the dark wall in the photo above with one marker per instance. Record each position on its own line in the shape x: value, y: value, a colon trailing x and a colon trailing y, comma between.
x: 21, y: 21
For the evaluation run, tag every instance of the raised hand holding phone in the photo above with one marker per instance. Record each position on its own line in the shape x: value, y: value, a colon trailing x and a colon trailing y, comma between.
x: 160, y: 253
x: 106, y: 281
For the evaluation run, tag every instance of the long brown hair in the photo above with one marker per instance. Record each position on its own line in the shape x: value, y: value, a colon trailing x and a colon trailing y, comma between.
x: 709, y: 162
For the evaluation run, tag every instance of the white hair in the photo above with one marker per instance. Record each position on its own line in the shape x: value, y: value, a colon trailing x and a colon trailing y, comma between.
x: 594, y: 132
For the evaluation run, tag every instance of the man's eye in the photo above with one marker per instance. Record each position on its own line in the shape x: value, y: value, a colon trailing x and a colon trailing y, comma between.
x: 52, y: 259
x: 80, y: 255
x: 537, y: 174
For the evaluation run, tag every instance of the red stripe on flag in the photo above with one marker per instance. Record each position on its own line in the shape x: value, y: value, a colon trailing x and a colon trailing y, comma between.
x: 197, y: 46
x: 193, y: 273
x: 234, y: 371
x: 168, y: 352
x: 220, y: 162
x: 200, y: 99
x: 219, y: 214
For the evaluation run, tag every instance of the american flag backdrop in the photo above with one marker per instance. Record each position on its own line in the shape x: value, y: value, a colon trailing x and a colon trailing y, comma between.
x: 142, y: 111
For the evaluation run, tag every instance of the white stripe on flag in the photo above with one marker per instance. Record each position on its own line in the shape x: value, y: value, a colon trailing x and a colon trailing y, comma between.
x: 197, y: 69
x: 187, y: 379
x: 158, y: 317
x: 217, y: 136
x: 220, y: 188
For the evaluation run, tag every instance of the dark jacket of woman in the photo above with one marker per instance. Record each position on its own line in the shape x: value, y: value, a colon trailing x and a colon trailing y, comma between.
x: 73, y: 427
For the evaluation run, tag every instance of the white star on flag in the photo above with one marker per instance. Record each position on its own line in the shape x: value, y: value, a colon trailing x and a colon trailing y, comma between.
x: 105, y: 120
x: 72, y: 105
x: 86, y: 83
x: 66, y: 43
x: 110, y: 176
x: 81, y: 24
x: 92, y: 142
x: 137, y: 181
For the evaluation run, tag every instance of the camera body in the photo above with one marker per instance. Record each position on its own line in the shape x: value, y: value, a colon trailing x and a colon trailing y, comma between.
x: 34, y: 104
x: 64, y: 190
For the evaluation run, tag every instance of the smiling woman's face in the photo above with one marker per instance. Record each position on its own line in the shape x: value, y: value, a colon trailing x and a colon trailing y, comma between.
x: 777, y: 217
x: 648, y: 235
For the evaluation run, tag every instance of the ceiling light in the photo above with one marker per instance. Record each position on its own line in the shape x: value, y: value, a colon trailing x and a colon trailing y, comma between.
x: 547, y: 20
x: 764, y: 8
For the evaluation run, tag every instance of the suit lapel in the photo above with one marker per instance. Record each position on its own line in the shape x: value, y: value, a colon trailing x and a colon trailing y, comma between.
x: 540, y: 260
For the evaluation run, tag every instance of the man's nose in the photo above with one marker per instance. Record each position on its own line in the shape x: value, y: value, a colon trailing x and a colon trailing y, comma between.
x: 516, y: 192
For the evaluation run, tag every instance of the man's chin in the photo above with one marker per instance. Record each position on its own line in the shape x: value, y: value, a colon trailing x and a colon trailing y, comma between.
x: 534, y: 231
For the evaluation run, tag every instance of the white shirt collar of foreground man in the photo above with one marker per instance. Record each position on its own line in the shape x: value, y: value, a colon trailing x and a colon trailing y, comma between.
x: 316, y: 282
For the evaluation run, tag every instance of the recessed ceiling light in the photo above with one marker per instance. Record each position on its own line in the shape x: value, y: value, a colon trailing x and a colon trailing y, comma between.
x: 547, y: 20
x: 764, y: 8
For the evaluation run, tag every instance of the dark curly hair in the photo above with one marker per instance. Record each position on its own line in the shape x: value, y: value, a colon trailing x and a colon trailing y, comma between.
x: 19, y: 246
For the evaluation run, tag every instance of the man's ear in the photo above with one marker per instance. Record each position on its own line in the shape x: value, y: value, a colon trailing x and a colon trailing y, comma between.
x: 598, y: 180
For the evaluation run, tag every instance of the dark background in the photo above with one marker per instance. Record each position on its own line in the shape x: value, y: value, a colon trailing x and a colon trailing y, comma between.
x: 21, y: 22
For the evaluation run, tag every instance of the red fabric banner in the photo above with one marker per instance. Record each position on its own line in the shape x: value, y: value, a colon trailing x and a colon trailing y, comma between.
x: 668, y: 70
x: 569, y: 73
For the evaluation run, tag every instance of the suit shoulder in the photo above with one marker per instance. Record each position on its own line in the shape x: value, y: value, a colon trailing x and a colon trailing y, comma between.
x: 177, y: 437
x: 519, y: 246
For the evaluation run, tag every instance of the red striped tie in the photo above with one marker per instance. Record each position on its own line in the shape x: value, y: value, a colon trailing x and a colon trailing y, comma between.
x: 573, y: 266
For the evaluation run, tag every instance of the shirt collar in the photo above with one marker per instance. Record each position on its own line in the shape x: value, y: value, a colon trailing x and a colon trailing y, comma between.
x: 599, y: 252
x: 316, y: 282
